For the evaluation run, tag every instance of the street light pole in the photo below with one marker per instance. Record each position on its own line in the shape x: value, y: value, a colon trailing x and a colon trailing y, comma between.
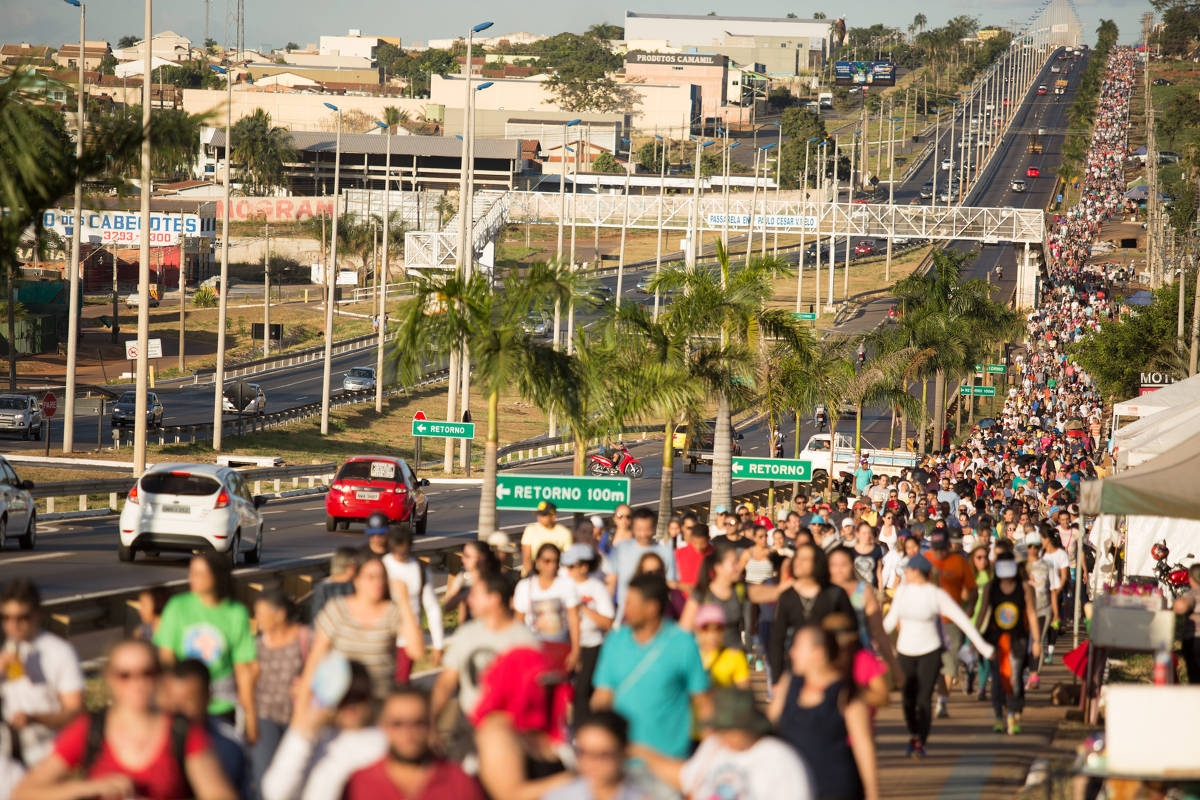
x: 383, y: 273
x: 222, y: 292
x: 143, y: 331
x: 331, y: 274
x: 68, y: 441
x: 803, y: 226
x: 662, y: 199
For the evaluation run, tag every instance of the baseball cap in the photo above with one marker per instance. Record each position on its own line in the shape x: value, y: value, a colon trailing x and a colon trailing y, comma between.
x: 1006, y: 568
x: 577, y: 553
x: 596, y: 520
x: 937, y: 538
x: 817, y: 518
x: 782, y: 514
x: 377, y: 525
x: 735, y: 709
x: 1033, y: 539
x: 921, y: 564
x: 709, y: 614
x: 546, y: 507
x: 848, y: 522
x: 720, y: 509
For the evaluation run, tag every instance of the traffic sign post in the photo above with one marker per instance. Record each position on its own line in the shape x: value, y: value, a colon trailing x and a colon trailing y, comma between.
x: 997, y: 369
x: 518, y: 492
x: 419, y: 415
x: 804, y: 316
x: 978, y: 391
x: 772, y: 469
x: 49, y: 406
x: 443, y: 430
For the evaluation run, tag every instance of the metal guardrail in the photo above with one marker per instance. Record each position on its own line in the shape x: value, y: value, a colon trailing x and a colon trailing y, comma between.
x: 304, y: 356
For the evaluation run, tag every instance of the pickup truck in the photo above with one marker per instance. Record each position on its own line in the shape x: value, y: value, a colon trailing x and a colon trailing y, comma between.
x: 886, y: 462
x: 21, y: 414
x: 698, y: 449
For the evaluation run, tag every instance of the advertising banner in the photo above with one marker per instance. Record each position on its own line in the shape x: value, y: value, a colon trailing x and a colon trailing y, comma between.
x: 124, y: 228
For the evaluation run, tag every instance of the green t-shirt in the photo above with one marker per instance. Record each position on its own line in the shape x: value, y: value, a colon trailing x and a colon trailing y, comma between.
x: 217, y: 635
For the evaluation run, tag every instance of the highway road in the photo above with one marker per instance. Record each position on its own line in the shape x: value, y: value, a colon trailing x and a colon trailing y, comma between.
x: 79, y: 557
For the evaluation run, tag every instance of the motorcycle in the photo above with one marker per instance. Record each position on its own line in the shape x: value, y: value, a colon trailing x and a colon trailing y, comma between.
x: 618, y: 462
x: 844, y: 485
x: 1172, y: 577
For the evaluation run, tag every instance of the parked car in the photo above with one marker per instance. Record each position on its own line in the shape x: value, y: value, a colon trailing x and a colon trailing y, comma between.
x: 1163, y: 82
x: 368, y: 484
x: 182, y: 508
x: 132, y: 301
x: 1018, y: 186
x: 21, y: 414
x: 18, y: 514
x: 124, y: 410
x: 256, y: 403
x: 1042, y: 90
x: 359, y: 378
x: 1033, y: 172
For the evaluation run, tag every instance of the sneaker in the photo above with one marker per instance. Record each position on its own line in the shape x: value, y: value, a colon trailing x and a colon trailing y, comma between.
x: 998, y: 726
x: 969, y: 684
x: 1014, y: 725
x: 1033, y: 682
x: 912, y: 747
x: 942, y: 712
x: 919, y: 750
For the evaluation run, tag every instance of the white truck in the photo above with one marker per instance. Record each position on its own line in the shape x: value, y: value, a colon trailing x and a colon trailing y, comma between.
x: 825, y: 99
x: 886, y: 462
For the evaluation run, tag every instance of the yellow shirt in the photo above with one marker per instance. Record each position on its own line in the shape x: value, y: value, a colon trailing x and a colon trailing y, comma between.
x: 536, y: 535
x: 726, y: 667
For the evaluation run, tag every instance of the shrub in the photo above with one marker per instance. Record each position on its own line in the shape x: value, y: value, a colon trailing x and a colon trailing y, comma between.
x: 205, y: 297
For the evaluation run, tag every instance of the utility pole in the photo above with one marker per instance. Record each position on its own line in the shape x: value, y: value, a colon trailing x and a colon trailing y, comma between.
x: 267, y: 292
x: 73, y: 270
x: 141, y: 376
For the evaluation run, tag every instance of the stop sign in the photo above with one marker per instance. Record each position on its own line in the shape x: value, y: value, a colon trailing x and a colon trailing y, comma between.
x: 49, y: 404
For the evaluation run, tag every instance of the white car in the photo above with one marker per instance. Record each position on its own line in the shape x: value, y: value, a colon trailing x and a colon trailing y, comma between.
x: 185, y: 508
x: 359, y: 378
x: 132, y: 301
x: 257, y: 404
x: 18, y: 515
x: 946, y: 163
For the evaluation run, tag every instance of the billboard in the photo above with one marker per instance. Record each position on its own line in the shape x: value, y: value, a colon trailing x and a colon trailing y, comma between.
x: 879, y: 73
x: 678, y: 59
x: 276, y: 209
x: 124, y: 228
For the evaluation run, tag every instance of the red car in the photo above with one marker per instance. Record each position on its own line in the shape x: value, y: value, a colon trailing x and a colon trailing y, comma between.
x: 864, y: 248
x: 1041, y: 90
x: 1033, y: 172
x: 368, y: 484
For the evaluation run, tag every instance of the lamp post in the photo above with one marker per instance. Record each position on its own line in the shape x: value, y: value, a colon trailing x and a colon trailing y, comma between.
x: 464, y: 236
x: 331, y: 273
x: 143, y: 330
x: 778, y: 181
x: 383, y: 272
x: 562, y: 220
x: 764, y: 149
x: 662, y: 199
x: 68, y: 441
x: 854, y: 154
x: 725, y: 215
x: 694, y: 232
x: 803, y: 226
x: 624, y: 227
x: 222, y: 294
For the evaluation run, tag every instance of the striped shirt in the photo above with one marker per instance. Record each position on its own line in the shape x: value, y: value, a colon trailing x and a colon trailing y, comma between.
x: 372, y: 644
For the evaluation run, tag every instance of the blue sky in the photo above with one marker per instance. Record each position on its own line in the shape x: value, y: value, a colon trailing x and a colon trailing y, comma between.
x: 275, y: 22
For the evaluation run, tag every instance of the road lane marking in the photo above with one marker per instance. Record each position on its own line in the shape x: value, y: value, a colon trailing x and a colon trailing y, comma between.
x: 40, y: 557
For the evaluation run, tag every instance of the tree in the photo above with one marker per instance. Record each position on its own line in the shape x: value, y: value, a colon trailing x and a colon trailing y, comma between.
x: 650, y: 156
x: 792, y: 15
x: 127, y: 41
x: 393, y: 117
x: 191, y: 75
x: 818, y: 15
x: 883, y: 381
x: 174, y: 135
x: 292, y: 46
x: 581, y: 73
x: 38, y: 167
x: 108, y: 64
x: 799, y: 126
x: 731, y: 306
x: 605, y: 32
x: 919, y: 22
x: 260, y: 151
x: 606, y: 163
x: 448, y: 311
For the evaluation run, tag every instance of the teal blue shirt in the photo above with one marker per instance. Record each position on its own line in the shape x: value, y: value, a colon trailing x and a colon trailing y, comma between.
x: 653, y: 684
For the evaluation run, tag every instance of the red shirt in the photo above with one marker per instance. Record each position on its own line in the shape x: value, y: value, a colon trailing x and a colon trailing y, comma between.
x: 687, y: 563
x: 160, y: 779
x: 446, y: 782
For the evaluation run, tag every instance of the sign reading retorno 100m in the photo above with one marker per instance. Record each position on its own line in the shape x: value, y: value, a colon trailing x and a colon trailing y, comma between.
x: 568, y: 493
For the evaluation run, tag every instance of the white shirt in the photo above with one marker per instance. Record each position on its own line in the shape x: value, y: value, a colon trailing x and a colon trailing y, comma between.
x: 753, y: 774
x: 303, y: 769
x: 917, y: 608
x: 545, y: 610
x: 409, y: 573
x: 1059, y: 560
x: 51, y: 669
x: 594, y: 595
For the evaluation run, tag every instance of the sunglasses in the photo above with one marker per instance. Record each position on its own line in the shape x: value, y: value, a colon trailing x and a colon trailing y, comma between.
x: 397, y: 723
x: 712, y: 628
x: 597, y: 755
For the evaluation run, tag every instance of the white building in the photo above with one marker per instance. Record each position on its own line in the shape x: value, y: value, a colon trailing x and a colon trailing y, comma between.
x: 352, y: 44
x: 520, y: 37
x: 783, y: 45
x: 167, y: 45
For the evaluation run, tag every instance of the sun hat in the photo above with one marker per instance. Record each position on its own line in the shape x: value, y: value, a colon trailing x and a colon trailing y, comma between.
x: 709, y: 614
x: 578, y: 553
x: 736, y: 709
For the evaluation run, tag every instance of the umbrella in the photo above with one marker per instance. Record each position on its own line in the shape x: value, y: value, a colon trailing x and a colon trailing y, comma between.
x: 1027, y: 458
x: 1074, y: 424
x: 987, y: 422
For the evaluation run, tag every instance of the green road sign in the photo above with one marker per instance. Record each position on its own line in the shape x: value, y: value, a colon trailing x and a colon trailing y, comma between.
x: 997, y: 369
x: 978, y: 391
x: 520, y: 492
x: 804, y: 316
x: 772, y: 469
x: 443, y: 430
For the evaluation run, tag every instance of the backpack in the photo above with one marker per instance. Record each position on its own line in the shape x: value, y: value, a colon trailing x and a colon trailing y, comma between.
x: 95, y: 742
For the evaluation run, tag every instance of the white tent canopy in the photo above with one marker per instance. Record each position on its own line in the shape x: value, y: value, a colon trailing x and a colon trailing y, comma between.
x: 1154, y: 435
x: 130, y: 68
x: 1179, y: 393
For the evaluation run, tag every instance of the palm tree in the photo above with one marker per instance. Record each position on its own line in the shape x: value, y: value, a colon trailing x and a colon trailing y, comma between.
x: 261, y: 150
x: 967, y: 308
x: 731, y: 306
x: 884, y: 381
x: 819, y: 377
x: 919, y: 22
x: 393, y: 117
x: 675, y: 369
x: 448, y: 311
